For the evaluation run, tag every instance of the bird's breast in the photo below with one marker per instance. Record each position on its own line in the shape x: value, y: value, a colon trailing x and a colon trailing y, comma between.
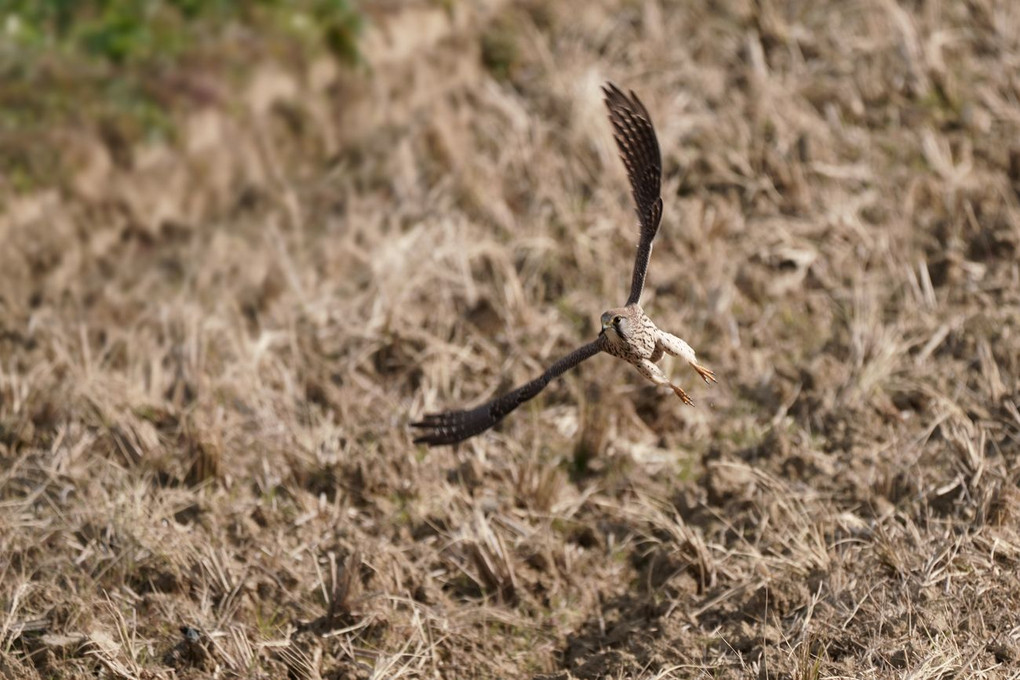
x: 639, y: 342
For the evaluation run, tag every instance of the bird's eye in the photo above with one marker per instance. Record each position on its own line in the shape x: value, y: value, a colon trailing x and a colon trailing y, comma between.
x: 616, y: 320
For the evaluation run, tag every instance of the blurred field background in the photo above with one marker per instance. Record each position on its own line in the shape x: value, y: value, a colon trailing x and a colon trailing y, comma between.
x: 244, y: 244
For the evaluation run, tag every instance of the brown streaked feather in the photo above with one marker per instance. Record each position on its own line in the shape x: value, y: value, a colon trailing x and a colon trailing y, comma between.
x: 639, y: 150
x: 456, y: 426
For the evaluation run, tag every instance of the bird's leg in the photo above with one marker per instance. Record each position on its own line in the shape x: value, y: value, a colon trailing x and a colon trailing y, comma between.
x: 679, y: 348
x: 655, y: 374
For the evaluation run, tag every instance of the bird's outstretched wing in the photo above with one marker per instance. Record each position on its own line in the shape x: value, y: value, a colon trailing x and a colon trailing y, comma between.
x: 639, y: 150
x: 455, y: 426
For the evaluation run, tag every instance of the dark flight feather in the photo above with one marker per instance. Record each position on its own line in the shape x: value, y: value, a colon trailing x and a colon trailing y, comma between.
x: 455, y: 426
x: 639, y: 150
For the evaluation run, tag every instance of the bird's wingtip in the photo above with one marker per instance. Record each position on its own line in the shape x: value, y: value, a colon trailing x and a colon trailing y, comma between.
x: 610, y: 90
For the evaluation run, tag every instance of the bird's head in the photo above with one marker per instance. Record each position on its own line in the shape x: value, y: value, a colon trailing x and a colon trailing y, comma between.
x: 616, y: 325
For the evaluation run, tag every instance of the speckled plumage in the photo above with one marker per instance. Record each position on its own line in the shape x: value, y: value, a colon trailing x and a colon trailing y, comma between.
x: 634, y: 341
x: 627, y: 332
x: 630, y: 335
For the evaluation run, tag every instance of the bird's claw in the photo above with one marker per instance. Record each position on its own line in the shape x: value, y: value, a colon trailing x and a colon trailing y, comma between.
x: 679, y: 391
x: 706, y: 373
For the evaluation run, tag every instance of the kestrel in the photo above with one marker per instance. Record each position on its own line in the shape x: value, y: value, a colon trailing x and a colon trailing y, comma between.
x: 626, y: 332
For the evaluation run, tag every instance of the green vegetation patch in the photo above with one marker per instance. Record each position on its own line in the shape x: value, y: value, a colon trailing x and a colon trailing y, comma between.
x: 120, y: 67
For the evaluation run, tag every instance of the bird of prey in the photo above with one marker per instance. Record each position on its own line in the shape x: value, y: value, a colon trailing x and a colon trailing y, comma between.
x: 626, y: 332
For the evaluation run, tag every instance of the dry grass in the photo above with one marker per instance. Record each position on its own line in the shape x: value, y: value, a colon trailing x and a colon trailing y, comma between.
x: 206, y: 377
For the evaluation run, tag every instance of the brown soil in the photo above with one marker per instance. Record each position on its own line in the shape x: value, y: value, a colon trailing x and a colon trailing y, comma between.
x: 209, y: 357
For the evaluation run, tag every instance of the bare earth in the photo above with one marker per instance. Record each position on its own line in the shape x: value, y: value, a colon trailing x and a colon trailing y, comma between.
x: 207, y: 370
